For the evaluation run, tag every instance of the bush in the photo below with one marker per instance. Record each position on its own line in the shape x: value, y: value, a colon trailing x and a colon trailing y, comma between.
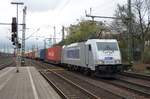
x: 147, y: 56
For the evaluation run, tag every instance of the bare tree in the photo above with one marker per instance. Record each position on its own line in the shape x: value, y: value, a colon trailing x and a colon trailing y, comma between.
x: 141, y: 9
x: 140, y: 21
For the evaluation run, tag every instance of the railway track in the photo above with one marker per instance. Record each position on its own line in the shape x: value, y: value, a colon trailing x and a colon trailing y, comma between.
x: 2, y: 66
x: 67, y: 88
x: 138, y: 89
x: 6, y: 63
x: 136, y: 75
x: 135, y: 82
x: 53, y: 74
x: 103, y: 84
x: 63, y: 86
x: 123, y: 88
x: 93, y: 88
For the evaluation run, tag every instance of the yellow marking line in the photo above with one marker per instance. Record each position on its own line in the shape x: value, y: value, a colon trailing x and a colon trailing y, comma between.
x: 60, y: 69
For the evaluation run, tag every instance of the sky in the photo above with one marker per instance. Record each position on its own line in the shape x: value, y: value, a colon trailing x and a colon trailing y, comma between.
x: 43, y: 15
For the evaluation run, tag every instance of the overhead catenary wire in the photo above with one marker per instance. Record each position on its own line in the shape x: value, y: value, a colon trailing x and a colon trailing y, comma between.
x: 32, y: 34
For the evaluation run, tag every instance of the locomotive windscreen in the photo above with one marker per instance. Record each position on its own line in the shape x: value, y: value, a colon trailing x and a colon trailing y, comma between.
x: 107, y: 46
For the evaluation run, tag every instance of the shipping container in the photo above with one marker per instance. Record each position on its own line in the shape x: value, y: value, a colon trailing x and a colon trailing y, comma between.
x: 42, y: 54
x: 53, y: 54
x: 26, y: 55
x: 32, y: 55
x: 36, y: 54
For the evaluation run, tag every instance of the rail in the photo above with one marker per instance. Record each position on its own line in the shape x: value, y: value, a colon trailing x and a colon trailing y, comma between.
x: 63, y: 96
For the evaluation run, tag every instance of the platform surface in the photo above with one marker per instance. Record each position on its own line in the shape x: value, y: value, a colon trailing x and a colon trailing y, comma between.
x: 27, y: 84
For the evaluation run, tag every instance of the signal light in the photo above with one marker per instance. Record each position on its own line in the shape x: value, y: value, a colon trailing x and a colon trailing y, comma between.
x: 19, y: 45
x: 13, y: 43
x: 14, y: 25
x: 12, y: 38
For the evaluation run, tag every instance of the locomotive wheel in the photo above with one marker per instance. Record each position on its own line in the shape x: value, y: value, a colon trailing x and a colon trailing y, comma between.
x: 87, y: 72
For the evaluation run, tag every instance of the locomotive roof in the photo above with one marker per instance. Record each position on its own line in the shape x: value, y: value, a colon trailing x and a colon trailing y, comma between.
x: 102, y: 40
x: 91, y: 40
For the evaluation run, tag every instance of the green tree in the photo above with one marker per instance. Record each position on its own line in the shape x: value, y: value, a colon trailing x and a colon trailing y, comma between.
x: 86, y: 29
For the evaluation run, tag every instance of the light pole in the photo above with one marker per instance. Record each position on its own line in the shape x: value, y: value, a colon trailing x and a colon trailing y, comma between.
x: 54, y: 40
x: 23, y: 36
x: 17, y: 47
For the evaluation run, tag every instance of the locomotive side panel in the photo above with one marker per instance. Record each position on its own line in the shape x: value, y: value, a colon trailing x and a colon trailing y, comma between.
x: 74, y: 55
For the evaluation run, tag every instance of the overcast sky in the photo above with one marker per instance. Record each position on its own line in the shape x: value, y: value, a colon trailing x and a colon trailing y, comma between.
x: 43, y: 15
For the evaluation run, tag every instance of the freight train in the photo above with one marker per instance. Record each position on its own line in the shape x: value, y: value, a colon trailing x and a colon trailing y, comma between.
x: 95, y: 56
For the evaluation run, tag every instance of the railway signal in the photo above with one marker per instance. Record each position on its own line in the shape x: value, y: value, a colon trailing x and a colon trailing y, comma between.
x: 12, y: 38
x: 14, y: 25
x: 14, y: 30
x: 19, y: 45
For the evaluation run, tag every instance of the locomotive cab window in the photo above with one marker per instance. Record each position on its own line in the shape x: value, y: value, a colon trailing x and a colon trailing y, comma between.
x: 89, y: 46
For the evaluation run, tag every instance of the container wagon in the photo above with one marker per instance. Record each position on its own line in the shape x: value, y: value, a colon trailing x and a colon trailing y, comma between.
x: 53, y: 54
x: 42, y: 54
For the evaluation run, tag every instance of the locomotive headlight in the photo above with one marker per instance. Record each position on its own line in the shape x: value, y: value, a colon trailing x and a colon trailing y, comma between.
x: 117, y: 61
x: 100, y: 62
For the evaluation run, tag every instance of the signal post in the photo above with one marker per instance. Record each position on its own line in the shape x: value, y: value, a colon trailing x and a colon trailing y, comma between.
x: 15, y: 34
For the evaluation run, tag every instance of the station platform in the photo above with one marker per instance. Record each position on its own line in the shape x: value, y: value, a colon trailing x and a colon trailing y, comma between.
x: 27, y: 84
